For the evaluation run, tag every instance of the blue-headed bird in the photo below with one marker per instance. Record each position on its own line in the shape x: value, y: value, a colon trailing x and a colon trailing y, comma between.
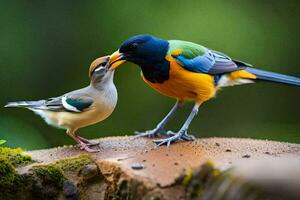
x: 187, y: 71
x: 79, y: 108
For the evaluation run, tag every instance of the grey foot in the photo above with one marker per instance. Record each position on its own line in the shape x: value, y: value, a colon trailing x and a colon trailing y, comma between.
x: 185, y: 136
x: 175, y: 137
x: 150, y: 133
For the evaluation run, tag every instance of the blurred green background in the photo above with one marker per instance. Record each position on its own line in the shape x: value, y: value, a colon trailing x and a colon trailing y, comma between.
x: 46, y: 48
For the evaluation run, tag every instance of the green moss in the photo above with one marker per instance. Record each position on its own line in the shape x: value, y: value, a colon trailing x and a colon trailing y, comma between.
x: 9, y: 159
x: 198, y: 180
x: 187, y: 177
x: 7, y: 172
x: 51, y: 174
x: 15, y: 156
x: 73, y: 164
x: 10, y: 181
x: 55, y: 173
x: 206, y: 181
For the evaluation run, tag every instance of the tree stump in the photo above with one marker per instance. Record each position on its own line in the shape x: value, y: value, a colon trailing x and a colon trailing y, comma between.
x: 134, y: 168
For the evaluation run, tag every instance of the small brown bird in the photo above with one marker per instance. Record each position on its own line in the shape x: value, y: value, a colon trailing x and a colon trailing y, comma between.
x: 79, y: 108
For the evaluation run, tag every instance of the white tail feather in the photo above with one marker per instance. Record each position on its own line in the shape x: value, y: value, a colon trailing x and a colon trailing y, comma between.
x: 225, y: 81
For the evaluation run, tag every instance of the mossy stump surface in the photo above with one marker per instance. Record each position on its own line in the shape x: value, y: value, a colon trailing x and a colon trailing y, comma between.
x: 134, y: 168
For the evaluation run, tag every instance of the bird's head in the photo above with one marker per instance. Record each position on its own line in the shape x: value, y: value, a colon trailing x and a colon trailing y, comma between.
x: 141, y: 50
x: 99, y: 72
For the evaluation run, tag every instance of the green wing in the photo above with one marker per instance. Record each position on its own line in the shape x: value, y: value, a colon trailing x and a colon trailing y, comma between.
x: 197, y: 58
x: 189, y: 50
x: 76, y: 103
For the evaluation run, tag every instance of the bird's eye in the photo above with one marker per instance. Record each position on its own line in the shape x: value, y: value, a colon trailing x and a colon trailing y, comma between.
x: 133, y: 46
x: 103, y: 64
x: 100, y: 66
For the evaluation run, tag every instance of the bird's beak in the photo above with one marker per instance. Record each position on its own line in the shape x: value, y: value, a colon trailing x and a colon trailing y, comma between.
x: 116, y: 59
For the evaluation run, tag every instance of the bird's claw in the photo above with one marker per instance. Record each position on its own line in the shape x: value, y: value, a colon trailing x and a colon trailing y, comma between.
x: 90, y: 144
x: 88, y: 149
x: 185, y: 136
x: 166, y: 141
x: 86, y: 141
x: 150, y: 133
x: 86, y: 145
x: 174, y: 137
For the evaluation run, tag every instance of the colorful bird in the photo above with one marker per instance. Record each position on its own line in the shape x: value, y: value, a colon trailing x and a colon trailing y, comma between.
x: 187, y: 71
x: 79, y: 108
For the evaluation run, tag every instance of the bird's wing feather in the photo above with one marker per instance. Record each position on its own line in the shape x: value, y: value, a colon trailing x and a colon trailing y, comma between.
x: 53, y: 104
x: 197, y: 58
x: 67, y: 103
x: 77, y: 103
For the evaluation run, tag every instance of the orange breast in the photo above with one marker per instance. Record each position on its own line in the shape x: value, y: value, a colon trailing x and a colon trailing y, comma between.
x: 185, y: 85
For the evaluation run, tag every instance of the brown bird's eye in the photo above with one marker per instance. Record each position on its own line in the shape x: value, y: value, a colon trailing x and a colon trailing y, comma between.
x: 102, y: 64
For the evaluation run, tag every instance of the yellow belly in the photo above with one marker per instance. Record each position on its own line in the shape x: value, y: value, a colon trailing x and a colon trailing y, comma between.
x: 185, y: 85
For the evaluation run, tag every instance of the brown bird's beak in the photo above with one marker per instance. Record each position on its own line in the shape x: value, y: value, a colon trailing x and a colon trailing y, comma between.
x: 116, y: 59
x: 102, y: 60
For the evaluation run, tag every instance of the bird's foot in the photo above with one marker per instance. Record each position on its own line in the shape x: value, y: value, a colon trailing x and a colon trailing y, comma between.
x: 182, y: 134
x: 150, y: 133
x: 86, y: 147
x: 86, y: 141
x: 185, y: 136
x: 93, y: 144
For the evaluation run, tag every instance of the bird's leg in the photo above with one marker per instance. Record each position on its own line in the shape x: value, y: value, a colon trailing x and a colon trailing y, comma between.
x: 182, y: 133
x: 83, y: 145
x: 82, y: 139
x: 86, y: 141
x: 159, y: 129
